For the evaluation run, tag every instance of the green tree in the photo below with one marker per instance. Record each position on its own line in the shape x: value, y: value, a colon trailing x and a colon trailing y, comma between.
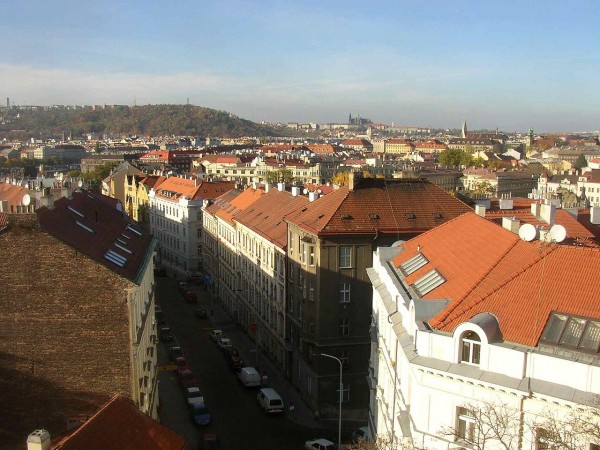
x: 279, y: 176
x: 454, y: 157
x: 580, y: 162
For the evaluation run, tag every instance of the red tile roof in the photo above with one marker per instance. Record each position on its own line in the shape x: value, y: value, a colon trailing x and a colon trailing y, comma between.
x: 119, y: 425
x: 489, y: 269
x: 94, y: 228
x: 230, y: 204
x: 266, y: 215
x: 175, y: 188
x: 393, y: 201
x: 11, y: 193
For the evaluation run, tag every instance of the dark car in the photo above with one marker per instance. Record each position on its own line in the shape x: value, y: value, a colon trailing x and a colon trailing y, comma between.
x: 182, y: 364
x: 190, y: 297
x: 200, y: 414
x: 160, y: 317
x: 201, y: 313
x: 187, y: 379
x: 236, y: 362
x: 160, y: 272
x: 175, y: 352
x: 210, y: 441
x: 165, y: 334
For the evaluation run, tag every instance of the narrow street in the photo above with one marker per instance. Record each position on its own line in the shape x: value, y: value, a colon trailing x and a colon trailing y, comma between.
x: 237, y: 419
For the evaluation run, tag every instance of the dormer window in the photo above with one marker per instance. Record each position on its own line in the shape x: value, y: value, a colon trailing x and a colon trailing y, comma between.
x: 470, y: 347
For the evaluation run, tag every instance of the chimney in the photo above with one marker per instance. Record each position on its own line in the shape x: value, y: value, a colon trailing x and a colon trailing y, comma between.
x: 295, y: 191
x: 4, y: 206
x: 511, y: 224
x: 535, y: 209
x: 267, y: 187
x: 353, y: 178
x: 480, y: 210
x: 312, y: 196
x: 595, y: 215
x: 38, y: 440
x: 547, y: 213
x: 281, y: 187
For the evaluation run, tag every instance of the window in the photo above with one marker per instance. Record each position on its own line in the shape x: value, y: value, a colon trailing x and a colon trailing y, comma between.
x: 345, y: 358
x: 345, y: 257
x: 594, y: 447
x: 543, y: 440
x: 344, y: 327
x: 576, y: 332
x: 303, y: 253
x: 470, y: 347
x: 414, y: 263
x: 345, y: 392
x: 465, y: 425
x: 344, y: 292
x: 311, y: 292
x: 311, y: 255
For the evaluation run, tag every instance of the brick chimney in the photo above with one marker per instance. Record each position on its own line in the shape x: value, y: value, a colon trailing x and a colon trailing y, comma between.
x: 38, y: 440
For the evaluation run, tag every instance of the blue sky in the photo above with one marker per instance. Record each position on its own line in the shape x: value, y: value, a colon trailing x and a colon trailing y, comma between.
x: 506, y: 64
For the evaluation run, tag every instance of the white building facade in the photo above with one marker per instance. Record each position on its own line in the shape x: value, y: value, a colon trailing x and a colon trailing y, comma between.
x: 439, y: 389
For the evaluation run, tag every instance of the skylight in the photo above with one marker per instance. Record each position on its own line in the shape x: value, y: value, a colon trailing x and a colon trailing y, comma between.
x: 85, y: 227
x: 133, y: 230
x: 75, y: 211
x: 575, y: 332
x: 428, y: 282
x: 410, y: 216
x: 374, y: 216
x: 414, y: 263
x: 115, y: 258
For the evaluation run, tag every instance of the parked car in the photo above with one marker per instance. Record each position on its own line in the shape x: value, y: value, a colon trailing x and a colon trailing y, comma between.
x: 182, y: 364
x: 183, y: 286
x: 224, y: 344
x: 165, y: 334
x: 360, y: 433
x: 215, y: 335
x: 210, y: 441
x: 190, y: 297
x: 270, y: 401
x: 235, y: 362
x: 193, y: 395
x: 200, y: 414
x: 159, y: 316
x: 249, y: 377
x: 319, y: 444
x: 201, y: 313
x: 175, y: 352
x: 187, y: 379
x: 160, y: 272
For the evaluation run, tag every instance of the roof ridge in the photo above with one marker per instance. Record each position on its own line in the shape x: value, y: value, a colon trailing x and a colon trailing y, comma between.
x: 340, y: 203
x: 504, y: 282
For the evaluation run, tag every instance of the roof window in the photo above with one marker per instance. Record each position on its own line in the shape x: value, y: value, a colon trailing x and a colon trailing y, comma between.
x: 428, y: 282
x: 574, y: 332
x: 414, y: 263
x: 345, y: 216
x: 85, y: 227
x: 410, y: 216
x: 374, y: 216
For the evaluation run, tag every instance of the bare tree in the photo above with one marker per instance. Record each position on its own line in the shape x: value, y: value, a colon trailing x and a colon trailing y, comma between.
x: 388, y: 442
x: 487, y: 423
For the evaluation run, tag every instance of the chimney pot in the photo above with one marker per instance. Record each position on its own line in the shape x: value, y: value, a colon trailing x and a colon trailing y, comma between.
x: 38, y: 440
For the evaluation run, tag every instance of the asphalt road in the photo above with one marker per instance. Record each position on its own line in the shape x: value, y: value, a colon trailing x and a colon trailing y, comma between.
x: 237, y: 418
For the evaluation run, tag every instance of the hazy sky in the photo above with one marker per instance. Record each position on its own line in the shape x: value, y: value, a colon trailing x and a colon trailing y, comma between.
x: 501, y: 63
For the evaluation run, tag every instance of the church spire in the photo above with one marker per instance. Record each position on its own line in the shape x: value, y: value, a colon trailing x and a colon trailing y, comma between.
x: 464, y: 131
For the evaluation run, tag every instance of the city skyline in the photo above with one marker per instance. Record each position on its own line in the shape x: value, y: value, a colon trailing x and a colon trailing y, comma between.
x: 508, y: 65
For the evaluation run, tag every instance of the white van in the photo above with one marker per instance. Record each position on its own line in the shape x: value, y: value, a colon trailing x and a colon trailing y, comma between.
x: 270, y: 401
x: 249, y: 377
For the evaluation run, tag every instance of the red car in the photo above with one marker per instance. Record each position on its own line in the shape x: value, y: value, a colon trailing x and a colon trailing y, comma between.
x: 182, y: 364
x: 187, y: 379
x: 210, y: 441
x: 190, y: 297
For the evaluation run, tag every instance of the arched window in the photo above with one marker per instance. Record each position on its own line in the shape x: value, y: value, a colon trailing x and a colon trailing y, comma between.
x: 470, y: 347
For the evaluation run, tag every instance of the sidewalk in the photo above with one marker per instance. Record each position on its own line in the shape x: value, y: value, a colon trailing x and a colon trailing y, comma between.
x: 300, y: 414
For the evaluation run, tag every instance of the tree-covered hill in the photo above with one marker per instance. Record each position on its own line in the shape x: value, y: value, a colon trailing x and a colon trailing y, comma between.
x: 148, y: 120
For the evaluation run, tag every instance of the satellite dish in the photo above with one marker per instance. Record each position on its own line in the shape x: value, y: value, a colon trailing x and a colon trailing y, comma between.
x: 397, y: 243
x: 26, y: 199
x: 527, y: 232
x: 305, y: 191
x: 558, y: 233
x: 80, y: 183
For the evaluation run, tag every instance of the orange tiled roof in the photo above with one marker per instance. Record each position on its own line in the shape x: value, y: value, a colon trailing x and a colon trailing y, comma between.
x: 393, y: 201
x: 521, y: 210
x: 12, y: 194
x: 119, y: 425
x: 489, y: 269
x: 266, y: 215
x: 229, y: 205
x: 361, y: 142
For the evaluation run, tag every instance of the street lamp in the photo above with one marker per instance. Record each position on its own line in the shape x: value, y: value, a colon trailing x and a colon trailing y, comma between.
x: 341, y: 390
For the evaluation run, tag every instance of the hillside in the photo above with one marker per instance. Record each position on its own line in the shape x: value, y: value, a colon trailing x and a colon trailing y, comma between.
x: 148, y: 120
